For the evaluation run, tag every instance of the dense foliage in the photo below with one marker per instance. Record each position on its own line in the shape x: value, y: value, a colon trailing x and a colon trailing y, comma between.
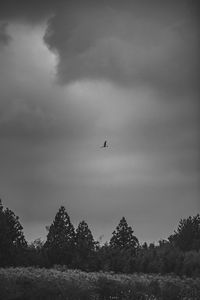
x: 60, y: 239
x: 62, y: 284
x: 187, y: 236
x: 180, y: 254
x: 122, y: 237
x: 12, y: 240
x: 84, y: 247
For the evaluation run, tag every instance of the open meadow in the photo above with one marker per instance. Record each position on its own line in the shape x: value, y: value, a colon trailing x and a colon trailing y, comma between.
x: 60, y: 283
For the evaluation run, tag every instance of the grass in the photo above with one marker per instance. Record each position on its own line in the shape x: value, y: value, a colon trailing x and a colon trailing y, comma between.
x: 60, y: 283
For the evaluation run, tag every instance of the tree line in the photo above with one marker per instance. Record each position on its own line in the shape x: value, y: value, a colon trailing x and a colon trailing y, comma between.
x: 77, y: 249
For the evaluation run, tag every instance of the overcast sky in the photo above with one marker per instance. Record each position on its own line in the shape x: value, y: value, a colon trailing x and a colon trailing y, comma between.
x: 77, y: 73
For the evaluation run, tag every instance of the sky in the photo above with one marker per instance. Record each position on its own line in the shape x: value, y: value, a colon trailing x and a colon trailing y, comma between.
x: 77, y: 73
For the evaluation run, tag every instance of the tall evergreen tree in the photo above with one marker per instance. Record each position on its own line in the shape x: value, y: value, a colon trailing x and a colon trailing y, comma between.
x: 60, y: 239
x: 123, y: 245
x: 123, y: 236
x: 12, y: 240
x: 187, y: 235
x: 85, y: 245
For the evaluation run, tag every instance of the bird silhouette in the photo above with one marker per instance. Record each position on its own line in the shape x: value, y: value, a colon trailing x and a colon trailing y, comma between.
x: 104, y: 145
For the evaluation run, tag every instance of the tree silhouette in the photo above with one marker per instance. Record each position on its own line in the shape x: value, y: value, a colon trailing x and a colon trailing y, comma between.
x: 123, y: 236
x: 60, y: 239
x: 12, y: 240
x: 123, y: 245
x: 187, y: 236
x: 84, y: 244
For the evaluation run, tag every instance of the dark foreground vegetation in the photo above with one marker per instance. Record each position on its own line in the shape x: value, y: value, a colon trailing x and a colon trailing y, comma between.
x: 60, y: 283
x: 77, y: 249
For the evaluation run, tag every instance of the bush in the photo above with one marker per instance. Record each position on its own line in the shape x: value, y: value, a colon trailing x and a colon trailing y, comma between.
x: 52, y: 284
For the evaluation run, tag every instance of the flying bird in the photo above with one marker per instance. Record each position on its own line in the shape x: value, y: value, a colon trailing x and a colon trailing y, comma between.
x: 104, y: 145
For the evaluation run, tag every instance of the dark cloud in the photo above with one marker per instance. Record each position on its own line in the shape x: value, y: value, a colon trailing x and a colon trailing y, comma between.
x: 155, y: 42
x: 127, y: 45
x: 4, y: 36
x: 27, y: 10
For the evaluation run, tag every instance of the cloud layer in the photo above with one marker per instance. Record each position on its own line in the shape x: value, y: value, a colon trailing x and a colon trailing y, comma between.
x: 75, y: 74
x: 131, y: 46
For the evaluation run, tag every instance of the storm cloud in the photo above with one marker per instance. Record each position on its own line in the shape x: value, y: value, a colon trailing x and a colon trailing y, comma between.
x: 107, y: 42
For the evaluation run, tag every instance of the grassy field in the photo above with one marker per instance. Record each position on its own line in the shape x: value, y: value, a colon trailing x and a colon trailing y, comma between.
x: 60, y: 283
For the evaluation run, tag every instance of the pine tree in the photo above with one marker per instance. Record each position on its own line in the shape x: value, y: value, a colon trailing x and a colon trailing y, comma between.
x: 60, y: 239
x: 123, y: 245
x: 85, y: 245
x: 12, y: 240
x: 187, y: 235
x: 123, y: 237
